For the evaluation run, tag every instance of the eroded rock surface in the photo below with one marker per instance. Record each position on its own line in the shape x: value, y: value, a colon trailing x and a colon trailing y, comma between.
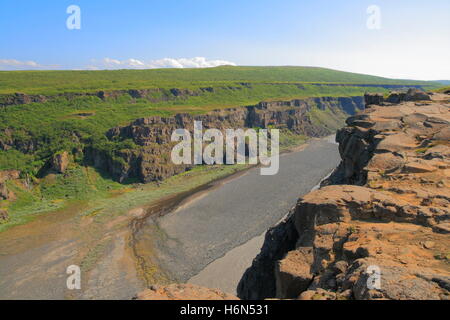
x: 382, y: 230
x: 151, y: 161
x: 60, y: 162
x: 393, y: 218
x: 386, y: 208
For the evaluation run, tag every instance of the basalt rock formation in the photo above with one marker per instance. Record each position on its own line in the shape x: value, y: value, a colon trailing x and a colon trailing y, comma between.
x: 60, y: 162
x: 384, y: 231
x: 390, y: 215
x: 151, y: 160
x: 157, y: 94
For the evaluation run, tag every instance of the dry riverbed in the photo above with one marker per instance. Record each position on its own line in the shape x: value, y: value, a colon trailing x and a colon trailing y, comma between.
x: 128, y: 242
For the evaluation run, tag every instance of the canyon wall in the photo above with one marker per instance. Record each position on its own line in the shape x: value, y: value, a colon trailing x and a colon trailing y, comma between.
x: 160, y: 94
x: 383, y: 233
x: 151, y: 161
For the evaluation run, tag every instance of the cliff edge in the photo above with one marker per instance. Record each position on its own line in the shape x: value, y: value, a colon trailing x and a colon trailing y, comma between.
x: 383, y: 231
x: 379, y: 228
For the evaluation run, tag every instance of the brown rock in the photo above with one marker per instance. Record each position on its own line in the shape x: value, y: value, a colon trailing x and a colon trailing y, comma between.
x: 397, y: 142
x: 428, y: 244
x: 442, y: 228
x: 9, y: 175
x: 382, y: 162
x: 416, y: 167
x: 183, y: 292
x: 417, y: 95
x: 318, y: 294
x: 293, y: 273
x: 60, y: 162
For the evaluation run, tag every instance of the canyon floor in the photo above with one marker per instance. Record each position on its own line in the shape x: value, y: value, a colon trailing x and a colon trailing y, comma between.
x: 377, y: 229
x: 213, y: 237
x: 130, y: 253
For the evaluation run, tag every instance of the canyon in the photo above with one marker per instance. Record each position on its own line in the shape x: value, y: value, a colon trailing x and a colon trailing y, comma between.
x: 385, y: 207
x: 151, y: 161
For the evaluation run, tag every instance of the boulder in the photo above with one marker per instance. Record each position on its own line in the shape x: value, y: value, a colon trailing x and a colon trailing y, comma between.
x: 373, y: 99
x: 60, y: 162
x: 416, y: 95
x: 396, y: 97
x: 385, y: 162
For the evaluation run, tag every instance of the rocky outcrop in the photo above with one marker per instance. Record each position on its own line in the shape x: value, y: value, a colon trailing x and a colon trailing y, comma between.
x: 259, y: 281
x: 21, y: 98
x: 384, y: 234
x: 183, y: 292
x: 6, y: 175
x: 5, y: 193
x: 60, y: 162
x: 411, y: 94
x: 158, y: 94
x: 151, y: 160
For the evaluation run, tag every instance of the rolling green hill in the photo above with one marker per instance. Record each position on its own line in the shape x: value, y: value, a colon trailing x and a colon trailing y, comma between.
x: 52, y: 82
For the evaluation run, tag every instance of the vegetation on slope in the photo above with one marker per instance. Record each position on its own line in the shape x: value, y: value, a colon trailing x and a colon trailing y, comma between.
x: 72, y: 123
x: 52, y: 82
x: 444, y: 89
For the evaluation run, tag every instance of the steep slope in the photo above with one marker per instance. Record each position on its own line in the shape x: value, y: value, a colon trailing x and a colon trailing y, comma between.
x: 396, y: 222
x: 385, y: 236
x: 314, y: 117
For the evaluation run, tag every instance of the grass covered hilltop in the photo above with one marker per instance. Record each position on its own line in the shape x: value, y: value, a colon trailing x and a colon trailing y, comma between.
x: 46, y: 113
x: 53, y: 82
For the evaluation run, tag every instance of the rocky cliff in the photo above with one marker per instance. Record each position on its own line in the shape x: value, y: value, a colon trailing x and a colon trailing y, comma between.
x: 150, y: 161
x: 384, y: 234
x: 159, y: 94
x: 390, y: 215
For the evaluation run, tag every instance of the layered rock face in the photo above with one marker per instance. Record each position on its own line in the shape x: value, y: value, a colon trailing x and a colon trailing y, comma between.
x: 60, y: 162
x: 152, y: 161
x: 385, y: 236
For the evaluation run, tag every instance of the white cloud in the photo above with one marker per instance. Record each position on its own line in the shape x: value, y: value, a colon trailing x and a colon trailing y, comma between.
x: 111, y: 64
x: 12, y: 64
x: 198, y: 62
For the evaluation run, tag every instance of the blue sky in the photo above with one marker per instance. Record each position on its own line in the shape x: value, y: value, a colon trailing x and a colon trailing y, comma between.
x: 413, y: 42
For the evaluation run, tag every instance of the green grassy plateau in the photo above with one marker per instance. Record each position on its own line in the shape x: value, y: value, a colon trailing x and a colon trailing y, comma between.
x: 52, y: 82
